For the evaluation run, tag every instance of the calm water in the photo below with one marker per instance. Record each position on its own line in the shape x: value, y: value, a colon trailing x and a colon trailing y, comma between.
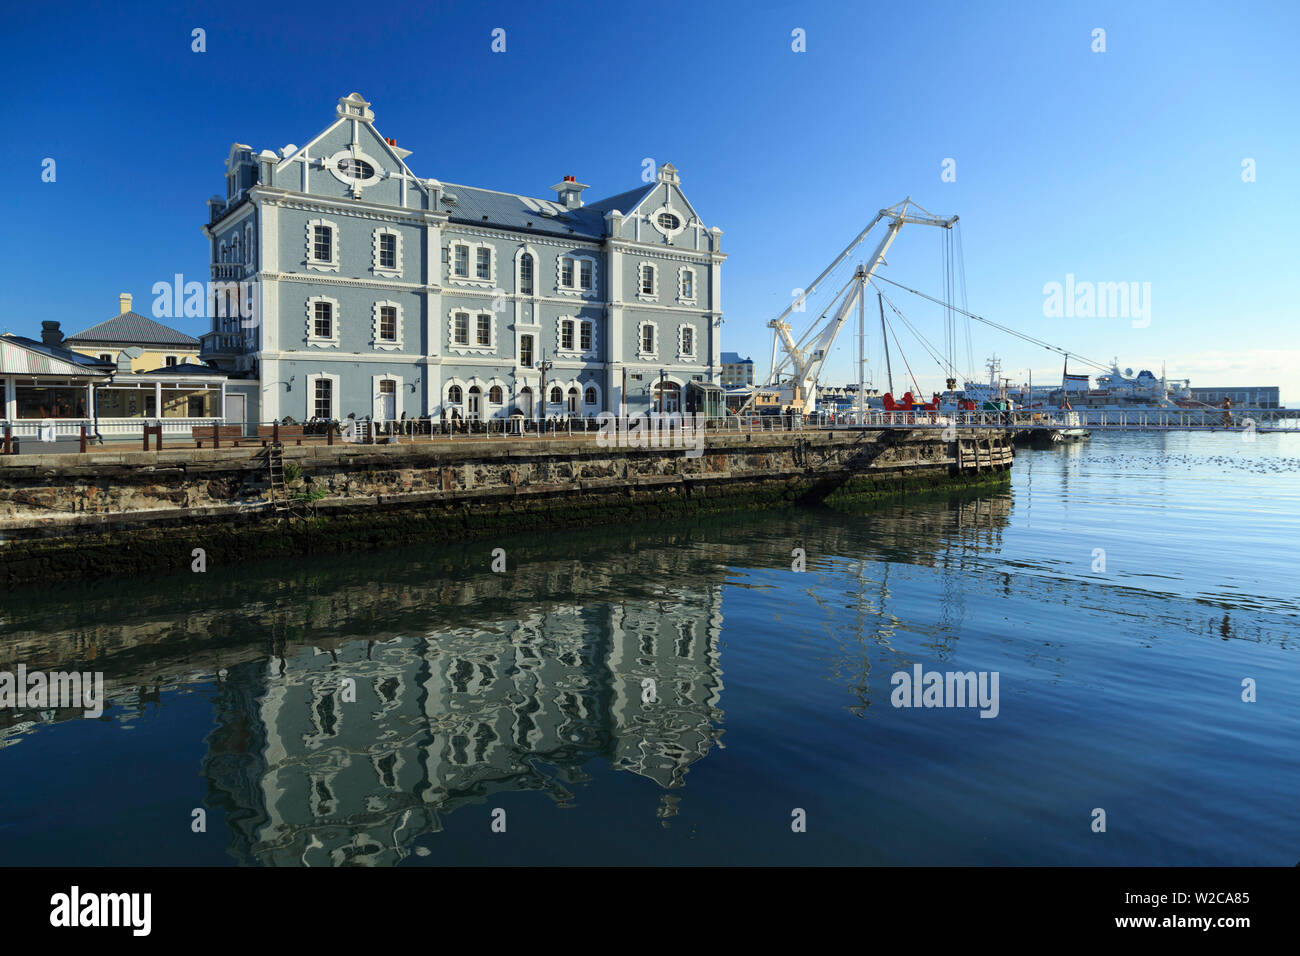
x: 1120, y: 687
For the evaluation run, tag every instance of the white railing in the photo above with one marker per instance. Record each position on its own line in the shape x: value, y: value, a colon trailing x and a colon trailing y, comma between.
x: 109, y: 428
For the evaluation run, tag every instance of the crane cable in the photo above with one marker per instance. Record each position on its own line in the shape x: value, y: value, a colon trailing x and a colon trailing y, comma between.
x: 1002, y: 328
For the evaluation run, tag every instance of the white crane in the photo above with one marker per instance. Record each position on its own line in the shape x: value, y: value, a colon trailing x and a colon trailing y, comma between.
x: 795, y: 375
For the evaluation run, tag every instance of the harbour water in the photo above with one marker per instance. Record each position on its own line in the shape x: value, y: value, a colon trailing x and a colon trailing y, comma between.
x: 675, y: 692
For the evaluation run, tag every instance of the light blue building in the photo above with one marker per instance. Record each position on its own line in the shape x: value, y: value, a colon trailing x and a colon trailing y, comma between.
x: 381, y: 293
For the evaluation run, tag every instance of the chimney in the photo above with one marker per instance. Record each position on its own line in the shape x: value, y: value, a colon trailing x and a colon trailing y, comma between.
x: 50, y: 333
x: 570, y: 192
x: 124, y: 303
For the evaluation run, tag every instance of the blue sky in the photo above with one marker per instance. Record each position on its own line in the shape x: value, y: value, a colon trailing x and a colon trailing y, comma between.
x: 1122, y: 166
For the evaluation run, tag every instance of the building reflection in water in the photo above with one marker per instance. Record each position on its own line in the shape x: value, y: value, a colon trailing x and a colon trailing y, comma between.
x: 307, y: 776
x: 600, y: 646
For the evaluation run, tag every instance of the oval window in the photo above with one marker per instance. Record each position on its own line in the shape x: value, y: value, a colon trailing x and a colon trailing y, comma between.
x: 668, y: 221
x: 356, y: 168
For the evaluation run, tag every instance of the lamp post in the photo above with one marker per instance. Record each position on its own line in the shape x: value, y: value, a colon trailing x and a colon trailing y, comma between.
x: 544, y: 366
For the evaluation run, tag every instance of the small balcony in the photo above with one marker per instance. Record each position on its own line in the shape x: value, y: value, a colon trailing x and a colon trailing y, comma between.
x: 219, y: 345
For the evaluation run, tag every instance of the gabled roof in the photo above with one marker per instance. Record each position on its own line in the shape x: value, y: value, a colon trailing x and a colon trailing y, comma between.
x: 132, y: 328
x: 20, y: 355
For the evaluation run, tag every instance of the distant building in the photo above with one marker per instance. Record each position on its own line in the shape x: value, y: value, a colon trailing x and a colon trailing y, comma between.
x: 158, y: 345
x: 736, y: 370
x: 1256, y: 396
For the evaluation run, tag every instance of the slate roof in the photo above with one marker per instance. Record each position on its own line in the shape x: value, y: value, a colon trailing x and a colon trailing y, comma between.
x: 132, y: 328
x: 487, y: 207
x: 733, y: 358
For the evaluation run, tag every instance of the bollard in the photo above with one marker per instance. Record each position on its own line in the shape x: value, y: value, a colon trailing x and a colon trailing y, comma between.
x: 216, y: 435
x: 329, y: 434
x: 275, y: 433
x: 83, y: 439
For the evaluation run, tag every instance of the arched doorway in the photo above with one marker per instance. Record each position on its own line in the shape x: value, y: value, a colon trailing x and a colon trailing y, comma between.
x: 526, y: 402
x: 474, y: 410
x: 669, y: 399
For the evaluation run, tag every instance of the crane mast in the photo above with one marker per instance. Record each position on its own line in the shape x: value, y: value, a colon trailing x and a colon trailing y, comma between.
x: 796, y: 369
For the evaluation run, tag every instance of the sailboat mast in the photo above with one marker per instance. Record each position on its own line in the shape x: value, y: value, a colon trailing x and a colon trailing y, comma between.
x: 880, y: 300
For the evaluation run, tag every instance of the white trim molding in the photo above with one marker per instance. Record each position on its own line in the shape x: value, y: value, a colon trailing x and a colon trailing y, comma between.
x: 578, y: 259
x: 355, y: 185
x: 471, y: 346
x: 667, y: 209
x: 682, y: 353
x: 577, y: 351
x: 641, y: 352
x: 682, y: 297
x: 388, y: 272
x: 332, y: 341
x: 387, y: 345
x: 322, y: 265
x: 653, y: 294
x: 527, y: 250
x: 312, y: 378
x: 471, y: 263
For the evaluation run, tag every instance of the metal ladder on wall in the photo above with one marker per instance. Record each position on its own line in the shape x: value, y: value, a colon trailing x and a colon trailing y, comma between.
x: 279, y: 492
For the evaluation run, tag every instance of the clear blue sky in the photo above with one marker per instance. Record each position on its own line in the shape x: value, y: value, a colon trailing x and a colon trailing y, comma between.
x: 1116, y: 166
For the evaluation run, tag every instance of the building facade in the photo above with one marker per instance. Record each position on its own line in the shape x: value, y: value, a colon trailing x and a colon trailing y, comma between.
x: 1252, y: 396
x: 379, y: 293
x: 736, y: 370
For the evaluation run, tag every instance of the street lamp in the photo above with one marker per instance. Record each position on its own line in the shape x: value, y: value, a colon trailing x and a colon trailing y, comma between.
x: 544, y: 366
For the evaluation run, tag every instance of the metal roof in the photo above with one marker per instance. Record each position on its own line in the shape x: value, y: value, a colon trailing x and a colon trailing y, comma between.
x: 486, y: 207
x: 185, y: 369
x: 23, y: 356
x: 132, y: 328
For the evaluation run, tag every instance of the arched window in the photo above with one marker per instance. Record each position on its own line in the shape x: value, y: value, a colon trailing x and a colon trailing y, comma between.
x: 495, y: 395
x: 454, y: 395
x: 234, y: 249
x: 526, y: 274
x: 557, y: 395
x: 590, y: 396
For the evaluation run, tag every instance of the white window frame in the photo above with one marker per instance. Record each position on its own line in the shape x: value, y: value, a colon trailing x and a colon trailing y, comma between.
x: 653, y: 294
x: 640, y: 339
x: 472, y: 347
x: 397, y: 393
x: 519, y: 261
x: 322, y: 265
x: 471, y: 264
x: 577, y: 351
x: 576, y: 289
x: 595, y: 388
x: 682, y: 297
x: 385, y: 271
x: 312, y: 378
x: 693, y: 354
x: 375, y: 341
x: 312, y: 337
x: 446, y: 405
x: 682, y: 221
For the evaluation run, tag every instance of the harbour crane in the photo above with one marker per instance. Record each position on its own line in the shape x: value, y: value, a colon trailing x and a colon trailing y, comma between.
x: 795, y: 375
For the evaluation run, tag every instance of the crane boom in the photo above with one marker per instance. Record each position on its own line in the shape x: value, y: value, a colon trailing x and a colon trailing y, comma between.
x: 799, y: 368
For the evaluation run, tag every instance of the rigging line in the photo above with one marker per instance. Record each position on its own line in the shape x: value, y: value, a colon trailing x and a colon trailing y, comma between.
x: 903, y: 356
x: 925, y: 343
x: 1003, y: 328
